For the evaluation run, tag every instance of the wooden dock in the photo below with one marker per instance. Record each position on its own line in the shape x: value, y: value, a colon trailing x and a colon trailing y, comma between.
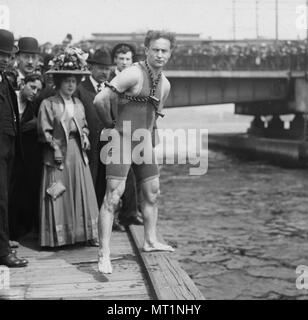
x: 71, y: 273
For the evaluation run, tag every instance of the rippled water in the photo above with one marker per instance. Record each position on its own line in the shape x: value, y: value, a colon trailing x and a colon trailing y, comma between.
x: 241, y: 229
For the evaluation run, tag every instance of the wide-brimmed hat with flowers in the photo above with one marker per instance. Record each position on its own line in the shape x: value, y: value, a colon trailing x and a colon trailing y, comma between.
x: 71, y: 61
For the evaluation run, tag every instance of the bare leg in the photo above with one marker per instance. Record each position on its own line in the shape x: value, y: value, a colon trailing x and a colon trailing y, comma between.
x: 114, y: 191
x: 150, y: 192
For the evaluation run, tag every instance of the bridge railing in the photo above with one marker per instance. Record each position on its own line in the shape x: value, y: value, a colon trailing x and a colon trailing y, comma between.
x: 242, y: 62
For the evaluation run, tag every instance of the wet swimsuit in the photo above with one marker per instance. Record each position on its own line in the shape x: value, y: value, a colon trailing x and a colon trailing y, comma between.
x: 137, y: 115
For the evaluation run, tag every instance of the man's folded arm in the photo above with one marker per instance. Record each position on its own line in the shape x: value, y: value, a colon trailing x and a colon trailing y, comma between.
x: 104, y: 102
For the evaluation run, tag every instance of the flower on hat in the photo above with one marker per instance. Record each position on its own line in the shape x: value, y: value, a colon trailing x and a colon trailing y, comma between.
x: 71, y: 59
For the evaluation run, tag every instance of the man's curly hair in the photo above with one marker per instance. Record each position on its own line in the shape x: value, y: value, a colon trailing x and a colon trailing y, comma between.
x: 157, y: 34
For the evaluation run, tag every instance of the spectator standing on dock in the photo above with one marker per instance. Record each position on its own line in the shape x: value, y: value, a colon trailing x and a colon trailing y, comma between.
x: 68, y: 204
x: 27, y: 169
x: 146, y: 89
x: 99, y: 65
x: 9, y: 138
x: 27, y: 58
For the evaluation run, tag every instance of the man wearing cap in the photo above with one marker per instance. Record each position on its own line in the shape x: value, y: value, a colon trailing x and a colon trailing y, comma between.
x: 27, y: 57
x: 99, y: 65
x: 9, y: 133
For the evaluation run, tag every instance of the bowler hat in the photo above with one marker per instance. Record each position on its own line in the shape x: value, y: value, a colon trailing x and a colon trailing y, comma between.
x: 119, y: 46
x: 7, y: 42
x: 28, y: 45
x: 102, y: 57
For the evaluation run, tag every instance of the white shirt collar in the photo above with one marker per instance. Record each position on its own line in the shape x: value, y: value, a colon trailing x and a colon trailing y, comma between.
x: 21, y: 104
x: 20, y: 78
x: 94, y: 83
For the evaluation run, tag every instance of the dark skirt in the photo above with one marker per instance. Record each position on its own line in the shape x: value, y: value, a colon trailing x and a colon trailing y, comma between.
x: 73, y: 216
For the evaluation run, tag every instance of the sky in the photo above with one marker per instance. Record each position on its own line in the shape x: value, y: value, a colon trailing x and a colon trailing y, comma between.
x: 51, y: 20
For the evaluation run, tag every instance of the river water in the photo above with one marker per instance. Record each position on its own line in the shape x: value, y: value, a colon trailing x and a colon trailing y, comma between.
x: 241, y: 229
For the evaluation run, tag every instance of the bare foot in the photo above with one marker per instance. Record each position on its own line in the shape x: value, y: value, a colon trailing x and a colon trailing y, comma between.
x: 14, y: 244
x: 156, y: 246
x: 104, y: 265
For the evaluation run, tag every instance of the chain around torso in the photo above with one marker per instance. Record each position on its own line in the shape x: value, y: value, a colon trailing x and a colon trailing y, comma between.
x: 137, y: 94
x: 138, y: 110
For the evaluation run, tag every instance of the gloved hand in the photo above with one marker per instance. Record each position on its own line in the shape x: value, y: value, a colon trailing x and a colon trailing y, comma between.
x: 58, y: 157
x: 85, y: 143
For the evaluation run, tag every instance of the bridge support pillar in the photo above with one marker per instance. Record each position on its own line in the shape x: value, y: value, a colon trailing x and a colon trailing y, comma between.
x: 278, y: 126
x: 275, y: 128
x: 275, y: 119
x: 257, y: 127
x: 297, y: 127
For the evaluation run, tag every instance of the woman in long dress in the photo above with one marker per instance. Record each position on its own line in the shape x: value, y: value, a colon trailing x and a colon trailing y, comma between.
x: 68, y: 205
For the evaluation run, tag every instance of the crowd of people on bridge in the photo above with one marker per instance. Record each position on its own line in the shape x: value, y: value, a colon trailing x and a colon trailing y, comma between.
x: 213, y: 55
x: 282, y: 55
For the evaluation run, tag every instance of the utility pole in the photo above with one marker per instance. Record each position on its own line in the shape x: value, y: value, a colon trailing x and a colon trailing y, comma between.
x: 257, y: 18
x: 306, y: 78
x: 307, y: 22
x: 276, y: 18
x: 234, y: 19
x: 306, y: 55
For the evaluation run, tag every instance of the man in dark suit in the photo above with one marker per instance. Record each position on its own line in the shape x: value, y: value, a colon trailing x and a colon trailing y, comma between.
x: 27, y: 57
x: 99, y: 65
x: 27, y: 171
x: 9, y: 137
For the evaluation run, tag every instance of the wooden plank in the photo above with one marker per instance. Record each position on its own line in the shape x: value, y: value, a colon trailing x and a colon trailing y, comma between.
x: 61, y: 264
x: 100, y: 286
x: 29, y: 245
x: 72, y: 273
x: 75, y: 258
x: 89, y: 273
x: 16, y: 293
x: 168, y: 279
x: 43, y: 251
x: 86, y: 290
x: 50, y: 266
x: 98, y: 297
x: 127, y: 297
x: 121, y: 246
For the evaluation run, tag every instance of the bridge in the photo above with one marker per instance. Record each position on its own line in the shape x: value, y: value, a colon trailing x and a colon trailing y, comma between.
x: 267, y: 95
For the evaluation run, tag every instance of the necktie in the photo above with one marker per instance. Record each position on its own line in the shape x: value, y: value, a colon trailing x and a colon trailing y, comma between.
x: 99, y: 87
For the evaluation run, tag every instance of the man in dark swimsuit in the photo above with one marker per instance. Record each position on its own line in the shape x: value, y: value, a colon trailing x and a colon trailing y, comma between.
x: 146, y: 89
